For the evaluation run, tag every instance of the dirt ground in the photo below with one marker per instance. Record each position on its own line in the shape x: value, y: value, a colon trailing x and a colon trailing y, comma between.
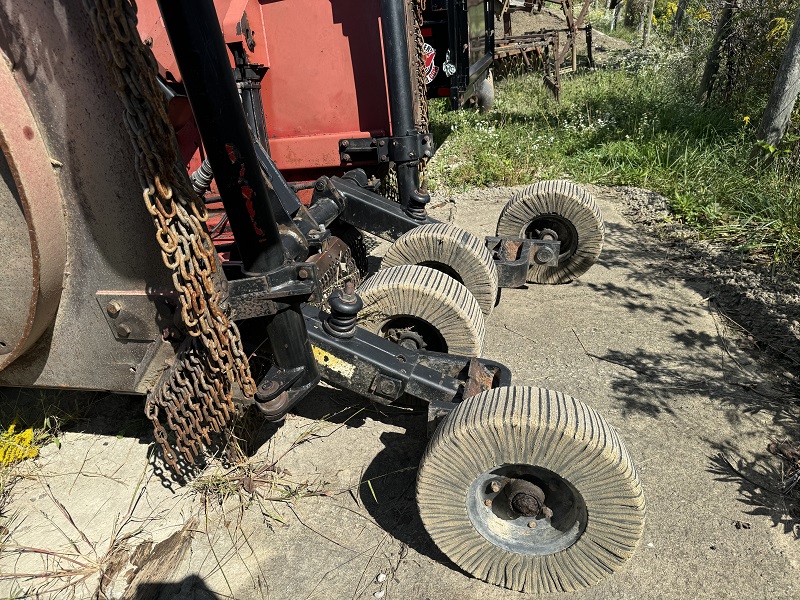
x: 638, y: 337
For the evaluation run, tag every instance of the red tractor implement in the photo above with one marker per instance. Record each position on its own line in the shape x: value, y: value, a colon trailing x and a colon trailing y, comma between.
x: 116, y: 278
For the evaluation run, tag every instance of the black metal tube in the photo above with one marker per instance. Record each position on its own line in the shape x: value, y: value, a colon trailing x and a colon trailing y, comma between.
x: 199, y: 48
x: 202, y: 58
x: 401, y: 100
x: 398, y: 69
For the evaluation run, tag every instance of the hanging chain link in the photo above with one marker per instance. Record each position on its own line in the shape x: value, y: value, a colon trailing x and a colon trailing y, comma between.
x: 194, y: 395
x: 421, y: 92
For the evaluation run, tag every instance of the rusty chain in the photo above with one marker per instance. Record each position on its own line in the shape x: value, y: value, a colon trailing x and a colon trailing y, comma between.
x: 194, y: 395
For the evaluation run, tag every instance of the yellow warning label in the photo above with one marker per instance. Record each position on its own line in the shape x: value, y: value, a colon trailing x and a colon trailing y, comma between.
x: 329, y: 361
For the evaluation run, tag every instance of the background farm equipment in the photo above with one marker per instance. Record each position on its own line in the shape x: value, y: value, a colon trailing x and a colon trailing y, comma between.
x: 94, y: 300
x: 464, y: 51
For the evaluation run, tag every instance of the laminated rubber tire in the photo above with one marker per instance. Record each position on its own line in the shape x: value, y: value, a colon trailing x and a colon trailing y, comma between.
x: 550, y: 440
x: 453, y: 251
x: 567, y: 209
x: 422, y: 308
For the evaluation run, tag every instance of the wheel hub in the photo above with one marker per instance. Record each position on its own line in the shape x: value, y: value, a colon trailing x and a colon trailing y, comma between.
x: 526, y: 509
x: 407, y: 338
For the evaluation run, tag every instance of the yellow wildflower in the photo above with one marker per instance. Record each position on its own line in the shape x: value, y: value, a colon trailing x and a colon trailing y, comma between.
x: 15, y: 447
x: 746, y: 120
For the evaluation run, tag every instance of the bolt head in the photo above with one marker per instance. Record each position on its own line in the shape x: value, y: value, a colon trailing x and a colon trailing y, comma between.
x: 303, y: 273
x: 544, y: 255
x: 387, y: 387
x: 487, y: 502
x: 345, y: 143
x: 113, y: 308
x: 123, y: 330
x: 532, y: 524
x: 495, y: 486
x: 346, y: 157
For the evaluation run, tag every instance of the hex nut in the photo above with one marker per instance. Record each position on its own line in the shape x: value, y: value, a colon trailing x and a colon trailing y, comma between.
x: 113, y: 308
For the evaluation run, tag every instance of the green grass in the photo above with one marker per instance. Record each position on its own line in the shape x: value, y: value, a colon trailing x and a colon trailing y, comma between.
x: 629, y: 127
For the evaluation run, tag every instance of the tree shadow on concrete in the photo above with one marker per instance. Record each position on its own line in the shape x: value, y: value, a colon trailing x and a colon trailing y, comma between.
x: 758, y: 482
x: 747, y: 365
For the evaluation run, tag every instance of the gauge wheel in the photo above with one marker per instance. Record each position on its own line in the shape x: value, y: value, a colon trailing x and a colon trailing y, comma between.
x: 452, y: 251
x: 556, y: 210
x: 531, y: 490
x: 422, y: 309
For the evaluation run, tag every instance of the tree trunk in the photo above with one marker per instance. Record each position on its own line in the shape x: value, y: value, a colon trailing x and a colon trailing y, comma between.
x: 712, y: 61
x: 784, y: 92
x: 642, y: 16
x: 677, y: 20
x: 630, y: 12
x: 615, y: 14
x: 649, y: 24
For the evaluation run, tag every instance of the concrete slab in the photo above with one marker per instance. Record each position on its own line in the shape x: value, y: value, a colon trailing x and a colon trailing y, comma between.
x: 632, y: 338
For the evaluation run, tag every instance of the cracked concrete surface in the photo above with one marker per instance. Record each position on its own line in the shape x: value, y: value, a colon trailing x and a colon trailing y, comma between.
x: 632, y: 338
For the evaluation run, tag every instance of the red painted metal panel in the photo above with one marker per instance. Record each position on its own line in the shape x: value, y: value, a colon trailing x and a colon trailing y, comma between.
x: 326, y: 78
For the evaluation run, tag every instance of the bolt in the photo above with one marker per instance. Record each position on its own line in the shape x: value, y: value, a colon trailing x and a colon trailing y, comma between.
x: 123, y: 331
x: 384, y: 158
x: 411, y: 155
x: 303, y: 273
x: 382, y: 143
x: 495, y: 485
x: 387, y: 387
x: 373, y: 141
x: 487, y: 502
x: 346, y: 157
x: 320, y: 185
x: 544, y: 255
x: 532, y: 524
x: 268, y: 387
x: 345, y: 143
x: 113, y: 308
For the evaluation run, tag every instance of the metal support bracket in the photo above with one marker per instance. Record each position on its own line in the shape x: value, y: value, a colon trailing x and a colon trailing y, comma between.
x: 513, y: 257
x: 375, y: 368
x: 260, y: 295
x: 384, y: 149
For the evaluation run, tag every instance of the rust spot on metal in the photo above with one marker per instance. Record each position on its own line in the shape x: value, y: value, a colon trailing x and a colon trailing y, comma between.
x: 479, y: 378
x: 27, y: 131
x: 509, y: 250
